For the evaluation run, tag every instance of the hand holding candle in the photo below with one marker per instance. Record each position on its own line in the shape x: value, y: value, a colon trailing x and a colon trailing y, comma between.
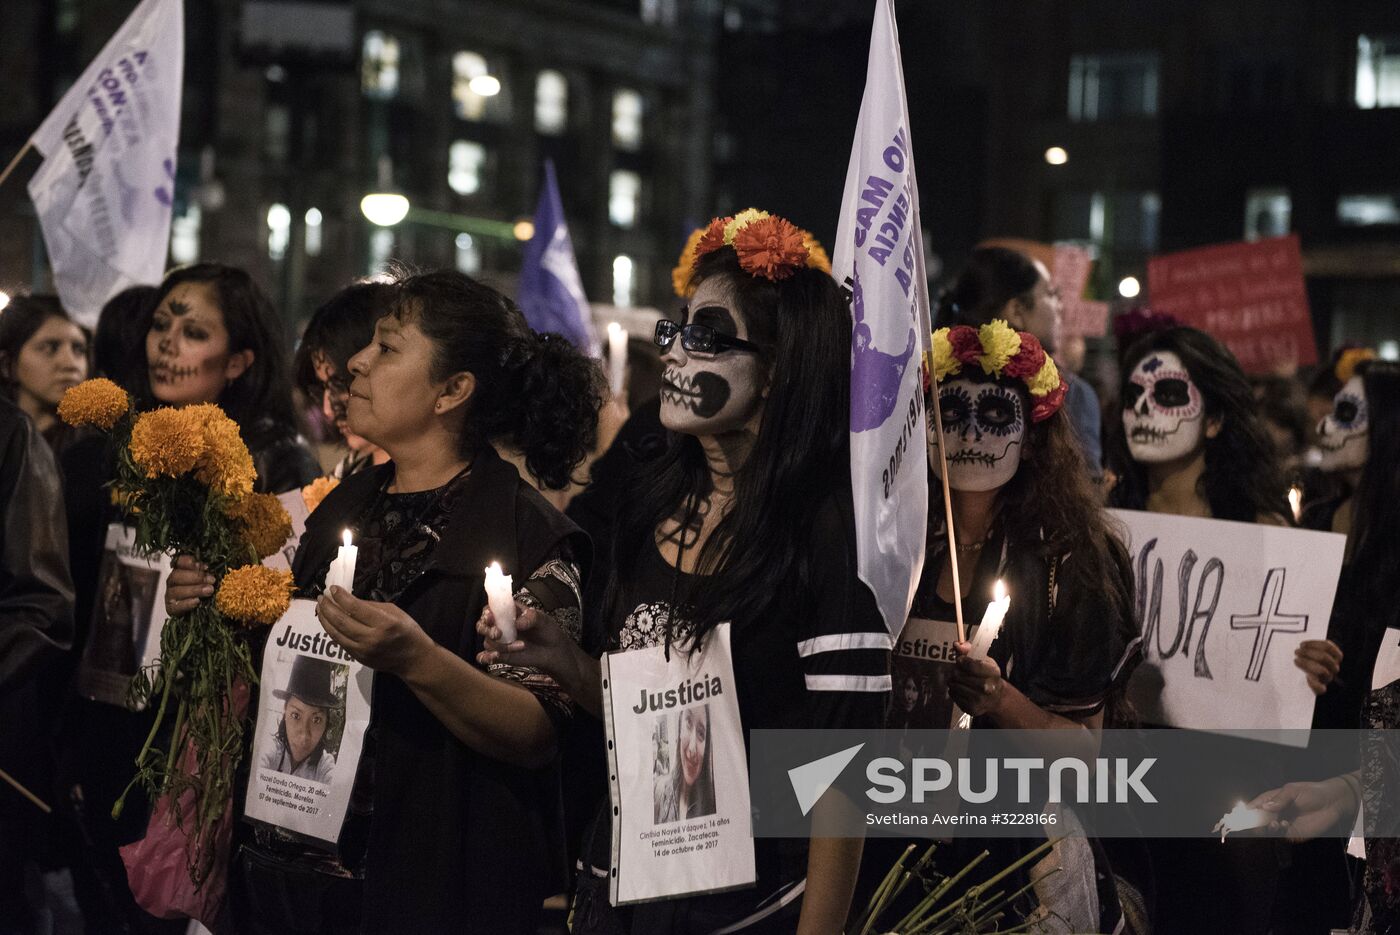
x: 502, y: 601
x: 342, y: 570
x: 987, y: 631
x: 1240, y: 818
x: 617, y: 357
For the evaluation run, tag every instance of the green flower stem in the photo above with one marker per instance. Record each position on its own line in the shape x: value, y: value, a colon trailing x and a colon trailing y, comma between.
x: 937, y: 894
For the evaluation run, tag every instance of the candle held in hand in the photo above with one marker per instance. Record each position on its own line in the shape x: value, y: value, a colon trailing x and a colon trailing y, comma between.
x: 1240, y: 818
x: 987, y: 631
x: 617, y: 357
x: 342, y: 570
x: 502, y: 601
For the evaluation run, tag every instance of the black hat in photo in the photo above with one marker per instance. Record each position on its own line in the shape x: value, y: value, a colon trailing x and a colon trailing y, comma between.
x: 310, y: 683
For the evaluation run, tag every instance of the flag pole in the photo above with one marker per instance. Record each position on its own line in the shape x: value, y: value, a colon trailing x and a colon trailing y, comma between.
x: 947, y: 505
x: 25, y: 792
x: 28, y: 145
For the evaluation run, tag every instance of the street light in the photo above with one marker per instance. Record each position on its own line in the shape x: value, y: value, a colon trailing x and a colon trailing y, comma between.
x: 1129, y: 287
x: 485, y: 85
x: 384, y: 208
x: 1056, y: 156
x: 524, y: 230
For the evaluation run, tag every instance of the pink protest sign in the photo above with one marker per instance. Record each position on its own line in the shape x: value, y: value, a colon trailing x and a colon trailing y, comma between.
x: 1249, y: 295
x: 1082, y: 317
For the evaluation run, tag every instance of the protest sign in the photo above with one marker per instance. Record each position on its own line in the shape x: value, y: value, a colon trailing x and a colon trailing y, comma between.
x: 313, y: 708
x: 879, y: 259
x: 294, y: 502
x: 127, y: 617
x: 1222, y: 607
x: 679, y: 773
x: 1070, y: 272
x: 1249, y: 295
x: 922, y: 665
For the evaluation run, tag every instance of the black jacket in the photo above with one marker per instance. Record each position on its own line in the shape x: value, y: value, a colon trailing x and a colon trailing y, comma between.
x: 458, y: 842
x: 36, y: 590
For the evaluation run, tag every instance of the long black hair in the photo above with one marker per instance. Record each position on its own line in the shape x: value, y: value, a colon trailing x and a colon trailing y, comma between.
x: 339, y: 329
x: 1242, y: 479
x: 992, y: 277
x: 535, y: 392
x: 755, y: 554
x: 119, y: 342
x: 1376, y: 503
x: 264, y: 390
x: 24, y: 315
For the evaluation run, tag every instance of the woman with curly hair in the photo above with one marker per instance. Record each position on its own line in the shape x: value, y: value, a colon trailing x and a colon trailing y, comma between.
x: 459, y: 769
x: 747, y: 520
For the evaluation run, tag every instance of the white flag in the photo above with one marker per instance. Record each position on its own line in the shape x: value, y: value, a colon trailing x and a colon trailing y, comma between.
x: 104, y: 192
x: 879, y: 257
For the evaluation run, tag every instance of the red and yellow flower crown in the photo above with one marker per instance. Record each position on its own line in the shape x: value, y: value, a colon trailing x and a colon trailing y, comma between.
x: 1002, y: 351
x: 767, y: 245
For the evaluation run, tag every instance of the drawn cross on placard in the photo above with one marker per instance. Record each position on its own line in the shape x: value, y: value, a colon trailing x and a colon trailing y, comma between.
x: 1267, y: 623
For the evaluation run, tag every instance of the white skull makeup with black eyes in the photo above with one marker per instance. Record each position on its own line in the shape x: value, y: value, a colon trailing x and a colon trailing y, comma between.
x: 984, y: 425
x: 1344, y: 434
x: 712, y: 393
x: 1163, y: 413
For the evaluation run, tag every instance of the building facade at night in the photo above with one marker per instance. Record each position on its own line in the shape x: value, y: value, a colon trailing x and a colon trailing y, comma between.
x: 294, y: 111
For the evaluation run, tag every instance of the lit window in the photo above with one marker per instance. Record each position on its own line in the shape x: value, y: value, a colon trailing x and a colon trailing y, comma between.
x: 184, y: 234
x: 1136, y: 220
x: 624, y: 194
x: 551, y: 102
x: 622, y: 281
x: 468, y: 255
x: 659, y: 12
x: 279, y: 231
x: 1268, y: 212
x: 1105, y: 87
x: 474, y: 86
x: 465, y: 161
x: 379, y: 68
x: 1378, y: 71
x: 1368, y: 210
x: 277, y: 133
x: 65, y: 17
x: 313, y: 231
x: 381, y: 247
x: 627, y: 119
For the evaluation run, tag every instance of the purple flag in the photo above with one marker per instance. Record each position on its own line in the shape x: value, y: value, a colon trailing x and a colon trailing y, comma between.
x: 551, y: 290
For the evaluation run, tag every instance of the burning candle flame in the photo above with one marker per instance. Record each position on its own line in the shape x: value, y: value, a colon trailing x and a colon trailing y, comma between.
x: 999, y: 590
x: 346, y: 537
x: 1295, y: 500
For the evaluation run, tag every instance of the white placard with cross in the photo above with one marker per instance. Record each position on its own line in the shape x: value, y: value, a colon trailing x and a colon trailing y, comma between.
x: 1222, y: 606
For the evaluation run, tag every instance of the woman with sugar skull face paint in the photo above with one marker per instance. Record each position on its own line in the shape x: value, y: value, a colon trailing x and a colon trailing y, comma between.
x: 746, y: 518
x: 1191, y: 442
x: 1025, y: 512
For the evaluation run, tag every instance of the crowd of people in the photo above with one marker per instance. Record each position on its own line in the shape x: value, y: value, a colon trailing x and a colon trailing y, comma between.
x: 460, y: 436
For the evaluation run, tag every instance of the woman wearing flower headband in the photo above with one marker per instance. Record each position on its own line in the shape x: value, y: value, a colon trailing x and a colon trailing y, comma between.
x: 1025, y: 512
x: 722, y: 527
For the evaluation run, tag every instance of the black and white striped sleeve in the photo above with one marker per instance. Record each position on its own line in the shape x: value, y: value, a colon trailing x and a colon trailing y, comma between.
x: 842, y: 643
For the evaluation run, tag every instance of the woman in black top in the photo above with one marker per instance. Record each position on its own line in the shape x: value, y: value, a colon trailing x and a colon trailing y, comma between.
x: 211, y: 335
x: 458, y: 769
x: 747, y: 518
x: 43, y: 353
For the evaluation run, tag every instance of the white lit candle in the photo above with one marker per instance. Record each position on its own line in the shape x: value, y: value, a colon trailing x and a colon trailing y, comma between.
x: 1295, y: 500
x: 342, y: 570
x: 987, y: 631
x: 502, y: 601
x: 1240, y: 818
x: 617, y: 357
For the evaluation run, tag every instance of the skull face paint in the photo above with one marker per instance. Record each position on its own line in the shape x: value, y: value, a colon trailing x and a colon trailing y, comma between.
x: 1344, y: 434
x: 984, y: 426
x: 1163, y: 413
x: 711, y: 394
x: 187, y: 347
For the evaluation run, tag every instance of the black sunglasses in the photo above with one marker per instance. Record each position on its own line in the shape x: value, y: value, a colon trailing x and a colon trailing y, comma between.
x: 699, y: 338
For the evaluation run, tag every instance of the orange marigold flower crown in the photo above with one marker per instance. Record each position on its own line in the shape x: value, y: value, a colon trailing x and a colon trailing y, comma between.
x: 1001, y: 351
x: 767, y: 246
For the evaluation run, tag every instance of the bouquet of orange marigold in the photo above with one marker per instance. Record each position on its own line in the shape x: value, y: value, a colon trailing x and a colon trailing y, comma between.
x: 185, y: 481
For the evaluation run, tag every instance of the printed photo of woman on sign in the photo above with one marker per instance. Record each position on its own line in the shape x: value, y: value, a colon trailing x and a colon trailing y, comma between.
x: 305, y: 743
x: 687, y: 789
